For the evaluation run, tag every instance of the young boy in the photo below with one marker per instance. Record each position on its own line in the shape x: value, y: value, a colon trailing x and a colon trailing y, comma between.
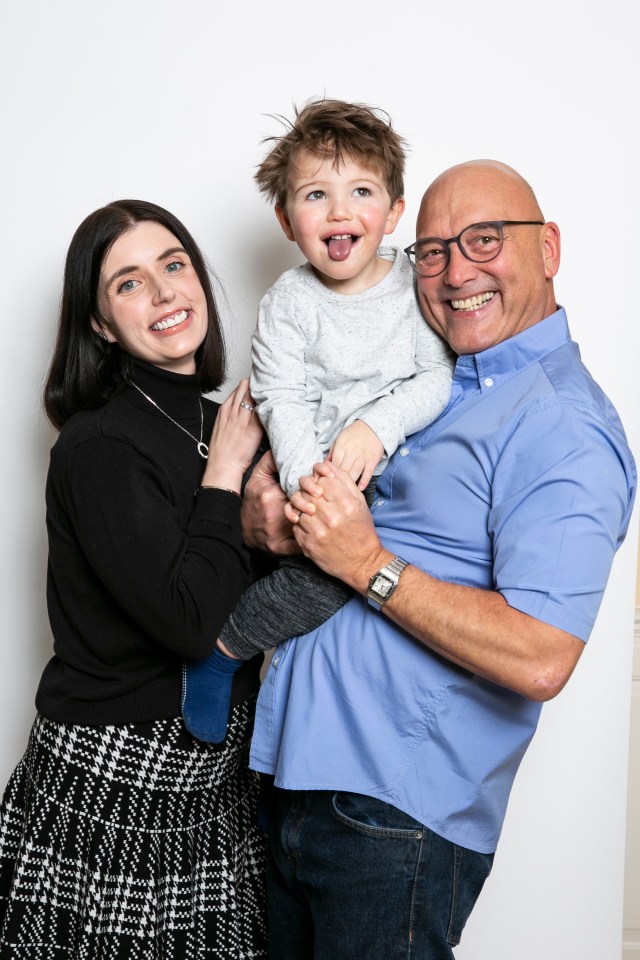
x: 344, y: 365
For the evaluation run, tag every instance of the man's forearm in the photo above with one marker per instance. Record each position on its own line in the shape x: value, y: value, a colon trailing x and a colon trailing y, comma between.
x: 478, y: 630
x: 475, y: 628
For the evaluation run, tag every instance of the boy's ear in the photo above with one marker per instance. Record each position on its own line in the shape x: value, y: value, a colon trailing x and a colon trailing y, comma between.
x: 284, y: 221
x: 396, y: 211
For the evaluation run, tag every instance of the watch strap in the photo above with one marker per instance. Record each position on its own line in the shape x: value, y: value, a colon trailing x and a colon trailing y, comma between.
x: 383, y: 583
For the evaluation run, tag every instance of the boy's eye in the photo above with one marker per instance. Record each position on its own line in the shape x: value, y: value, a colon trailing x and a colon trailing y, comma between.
x: 316, y: 195
x: 362, y: 192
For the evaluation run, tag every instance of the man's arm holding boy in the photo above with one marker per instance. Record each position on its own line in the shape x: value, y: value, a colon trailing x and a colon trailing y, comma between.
x: 524, y: 635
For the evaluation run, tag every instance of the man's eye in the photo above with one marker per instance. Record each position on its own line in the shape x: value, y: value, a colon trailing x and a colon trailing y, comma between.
x: 431, y: 253
x: 482, y: 238
x: 483, y: 245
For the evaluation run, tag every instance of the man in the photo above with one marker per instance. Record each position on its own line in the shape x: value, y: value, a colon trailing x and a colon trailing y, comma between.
x: 396, y: 729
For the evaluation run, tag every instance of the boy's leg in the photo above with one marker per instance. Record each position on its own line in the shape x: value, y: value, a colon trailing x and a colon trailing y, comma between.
x: 206, y: 695
x: 369, y: 491
x: 292, y: 601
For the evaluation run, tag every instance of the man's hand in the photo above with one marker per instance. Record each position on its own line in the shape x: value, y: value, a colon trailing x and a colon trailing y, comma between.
x: 472, y: 627
x: 333, y: 526
x: 358, y: 451
x: 264, y: 524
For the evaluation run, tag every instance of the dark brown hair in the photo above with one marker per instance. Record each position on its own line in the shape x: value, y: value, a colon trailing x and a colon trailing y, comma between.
x: 85, y: 369
x: 338, y: 130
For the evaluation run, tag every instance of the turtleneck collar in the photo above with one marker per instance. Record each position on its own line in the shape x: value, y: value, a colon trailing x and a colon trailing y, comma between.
x: 177, y: 393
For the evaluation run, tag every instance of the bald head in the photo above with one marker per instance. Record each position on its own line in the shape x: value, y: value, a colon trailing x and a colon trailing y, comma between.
x: 476, y: 304
x: 487, y: 181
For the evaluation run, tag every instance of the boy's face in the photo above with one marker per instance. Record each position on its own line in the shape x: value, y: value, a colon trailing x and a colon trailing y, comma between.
x: 338, y: 217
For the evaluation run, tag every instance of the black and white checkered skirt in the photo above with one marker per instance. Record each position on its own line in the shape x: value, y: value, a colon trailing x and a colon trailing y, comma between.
x: 133, y: 842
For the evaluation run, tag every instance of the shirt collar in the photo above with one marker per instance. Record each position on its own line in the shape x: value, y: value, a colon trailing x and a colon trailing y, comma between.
x: 499, y: 363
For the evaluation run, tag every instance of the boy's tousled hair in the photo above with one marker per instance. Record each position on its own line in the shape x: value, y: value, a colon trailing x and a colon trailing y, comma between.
x: 334, y: 129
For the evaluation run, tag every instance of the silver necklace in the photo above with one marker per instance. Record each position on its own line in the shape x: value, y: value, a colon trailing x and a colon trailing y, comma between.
x: 203, y: 449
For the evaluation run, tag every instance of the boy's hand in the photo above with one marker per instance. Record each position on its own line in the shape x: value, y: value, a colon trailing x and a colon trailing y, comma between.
x: 357, y: 451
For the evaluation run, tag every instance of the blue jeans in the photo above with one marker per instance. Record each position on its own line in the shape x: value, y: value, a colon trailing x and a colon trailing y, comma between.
x: 353, y: 878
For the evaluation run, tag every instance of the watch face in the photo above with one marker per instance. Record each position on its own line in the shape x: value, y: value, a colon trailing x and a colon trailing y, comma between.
x: 382, y: 586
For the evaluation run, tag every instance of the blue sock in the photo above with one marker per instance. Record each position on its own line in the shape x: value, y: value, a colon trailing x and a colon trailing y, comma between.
x: 206, y: 695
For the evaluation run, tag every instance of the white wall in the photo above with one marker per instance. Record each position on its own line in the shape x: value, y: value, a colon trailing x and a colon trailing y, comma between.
x: 168, y: 102
x: 631, y: 933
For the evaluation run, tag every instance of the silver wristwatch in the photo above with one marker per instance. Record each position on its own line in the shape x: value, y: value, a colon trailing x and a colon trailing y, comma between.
x: 384, y: 582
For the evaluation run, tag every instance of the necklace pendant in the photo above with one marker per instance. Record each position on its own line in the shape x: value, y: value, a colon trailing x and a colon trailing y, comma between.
x: 203, y: 449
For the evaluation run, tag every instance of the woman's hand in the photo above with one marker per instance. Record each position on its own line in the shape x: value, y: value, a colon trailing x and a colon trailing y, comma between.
x: 234, y: 440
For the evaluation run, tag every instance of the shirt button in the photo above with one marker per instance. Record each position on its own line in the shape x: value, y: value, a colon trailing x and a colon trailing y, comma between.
x: 404, y: 452
x: 488, y: 382
x: 275, y: 661
x: 378, y: 503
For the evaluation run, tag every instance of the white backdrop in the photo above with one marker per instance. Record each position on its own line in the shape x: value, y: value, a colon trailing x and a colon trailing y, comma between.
x: 167, y: 102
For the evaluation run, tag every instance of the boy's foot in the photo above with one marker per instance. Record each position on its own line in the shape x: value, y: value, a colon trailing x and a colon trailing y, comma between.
x: 206, y: 695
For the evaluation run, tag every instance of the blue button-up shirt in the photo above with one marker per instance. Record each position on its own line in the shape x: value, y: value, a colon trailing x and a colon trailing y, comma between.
x: 523, y: 485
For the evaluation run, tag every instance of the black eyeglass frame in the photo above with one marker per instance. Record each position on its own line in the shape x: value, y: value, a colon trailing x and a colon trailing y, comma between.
x: 500, y: 224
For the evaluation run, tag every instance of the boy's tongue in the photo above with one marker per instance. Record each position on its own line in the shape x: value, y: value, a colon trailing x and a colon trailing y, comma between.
x: 339, y: 249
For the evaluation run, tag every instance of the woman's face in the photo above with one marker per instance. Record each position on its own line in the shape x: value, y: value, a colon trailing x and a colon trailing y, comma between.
x: 151, y: 300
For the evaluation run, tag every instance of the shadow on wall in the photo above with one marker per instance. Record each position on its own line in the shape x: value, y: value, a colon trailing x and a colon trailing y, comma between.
x: 44, y: 437
x: 267, y: 257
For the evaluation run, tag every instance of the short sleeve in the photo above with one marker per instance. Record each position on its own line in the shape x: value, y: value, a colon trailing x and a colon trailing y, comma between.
x: 561, y: 505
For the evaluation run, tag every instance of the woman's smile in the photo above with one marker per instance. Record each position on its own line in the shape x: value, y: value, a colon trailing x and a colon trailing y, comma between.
x: 151, y: 299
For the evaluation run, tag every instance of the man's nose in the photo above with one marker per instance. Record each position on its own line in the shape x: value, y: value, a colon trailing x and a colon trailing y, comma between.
x: 459, y: 268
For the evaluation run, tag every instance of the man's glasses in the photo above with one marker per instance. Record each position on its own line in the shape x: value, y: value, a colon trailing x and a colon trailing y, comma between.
x: 480, y: 242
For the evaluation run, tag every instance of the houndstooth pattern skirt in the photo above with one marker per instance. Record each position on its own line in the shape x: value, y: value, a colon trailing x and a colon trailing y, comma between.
x: 133, y: 842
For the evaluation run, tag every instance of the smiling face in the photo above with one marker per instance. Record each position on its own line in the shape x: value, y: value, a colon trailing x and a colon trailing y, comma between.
x: 477, y: 305
x: 151, y: 300
x: 338, y: 216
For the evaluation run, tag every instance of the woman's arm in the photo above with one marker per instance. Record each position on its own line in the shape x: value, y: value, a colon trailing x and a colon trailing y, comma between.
x: 234, y: 441
x: 172, y: 562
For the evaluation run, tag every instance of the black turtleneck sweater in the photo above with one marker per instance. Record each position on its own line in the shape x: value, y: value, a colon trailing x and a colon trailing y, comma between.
x: 142, y: 573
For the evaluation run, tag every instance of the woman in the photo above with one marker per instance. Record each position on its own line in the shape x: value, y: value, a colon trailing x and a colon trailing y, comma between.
x: 120, y: 835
